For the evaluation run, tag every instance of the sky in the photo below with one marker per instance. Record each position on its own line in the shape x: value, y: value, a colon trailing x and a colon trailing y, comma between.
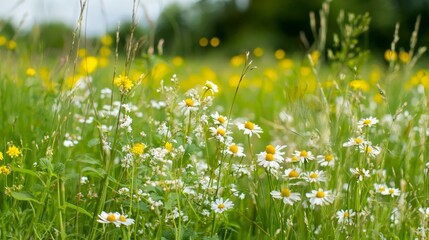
x: 101, y: 15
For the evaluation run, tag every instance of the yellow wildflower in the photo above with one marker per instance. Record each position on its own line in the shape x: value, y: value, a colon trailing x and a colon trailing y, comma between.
x: 124, y: 83
x: 5, y: 170
x: 168, y: 146
x: 106, y: 40
x: 258, y: 52
x: 359, y: 85
x: 1, y: 156
x: 390, y: 55
x: 404, y: 57
x: 138, y: 148
x: 13, y: 151
x: 89, y: 64
x: 30, y: 72
x: 11, y: 45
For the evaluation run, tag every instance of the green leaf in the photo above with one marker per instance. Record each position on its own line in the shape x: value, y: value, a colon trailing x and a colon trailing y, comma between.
x: 24, y: 196
x: 77, y: 208
x: 93, y: 142
x: 27, y: 171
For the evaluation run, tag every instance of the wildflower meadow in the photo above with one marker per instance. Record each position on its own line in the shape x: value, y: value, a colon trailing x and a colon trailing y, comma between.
x: 99, y: 143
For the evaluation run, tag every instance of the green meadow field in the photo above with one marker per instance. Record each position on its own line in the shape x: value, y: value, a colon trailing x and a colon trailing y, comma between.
x: 99, y: 142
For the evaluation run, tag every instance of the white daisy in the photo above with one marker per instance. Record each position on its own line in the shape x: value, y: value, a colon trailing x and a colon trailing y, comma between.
x: 345, y: 216
x: 392, y: 192
x: 124, y: 220
x: 250, y: 128
x: 372, y: 151
x: 276, y: 151
x: 357, y: 141
x: 367, y: 122
x: 320, y: 197
x: 314, y: 176
x: 287, y: 195
x: 304, y: 155
x: 292, y: 173
x: 326, y: 160
x: 109, y: 218
x: 360, y: 173
x: 220, y: 206
x: 219, y: 133
x: 210, y: 86
x: 380, y: 188
x: 188, y: 105
x: 267, y: 160
x: 235, y: 150
x: 219, y: 119
x: 293, y: 159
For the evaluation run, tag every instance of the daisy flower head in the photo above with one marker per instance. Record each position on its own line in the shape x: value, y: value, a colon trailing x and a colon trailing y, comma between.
x: 268, y: 160
x: 292, y: 159
x: 371, y: 151
x: 320, y: 197
x: 360, y: 174
x: 357, y: 141
x: 345, y: 216
x: 292, y: 173
x: 219, y: 133
x: 304, y: 155
x: 286, y: 195
x: 220, y: 206
x: 124, y: 220
x: 314, y: 176
x: 188, y: 105
x: 393, y: 192
x: 326, y: 160
x: 380, y: 188
x: 219, y: 119
x: 110, y: 217
x: 367, y: 122
x: 250, y: 128
x: 210, y: 86
x: 275, y: 151
x: 235, y: 150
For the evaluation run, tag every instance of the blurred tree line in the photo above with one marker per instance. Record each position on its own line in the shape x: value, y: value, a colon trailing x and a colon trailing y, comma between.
x: 246, y: 24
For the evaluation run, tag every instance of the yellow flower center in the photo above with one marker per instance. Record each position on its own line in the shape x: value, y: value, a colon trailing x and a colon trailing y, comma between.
x: 303, y: 154
x: 346, y: 214
x: 189, y: 102
x: 233, y: 148
x: 381, y: 189
x: 220, y: 131
x: 168, y: 146
x: 294, y: 159
x: 358, y: 140
x: 368, y: 149
x: 329, y: 157
x: 270, y: 149
x: 221, y: 119
x: 122, y: 218
x: 285, y: 192
x: 314, y: 175
x: 366, y: 122
x: 293, y: 174
x: 249, y: 125
x: 221, y: 206
x: 320, y: 194
x: 111, y: 217
x: 391, y: 191
x: 269, y: 157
